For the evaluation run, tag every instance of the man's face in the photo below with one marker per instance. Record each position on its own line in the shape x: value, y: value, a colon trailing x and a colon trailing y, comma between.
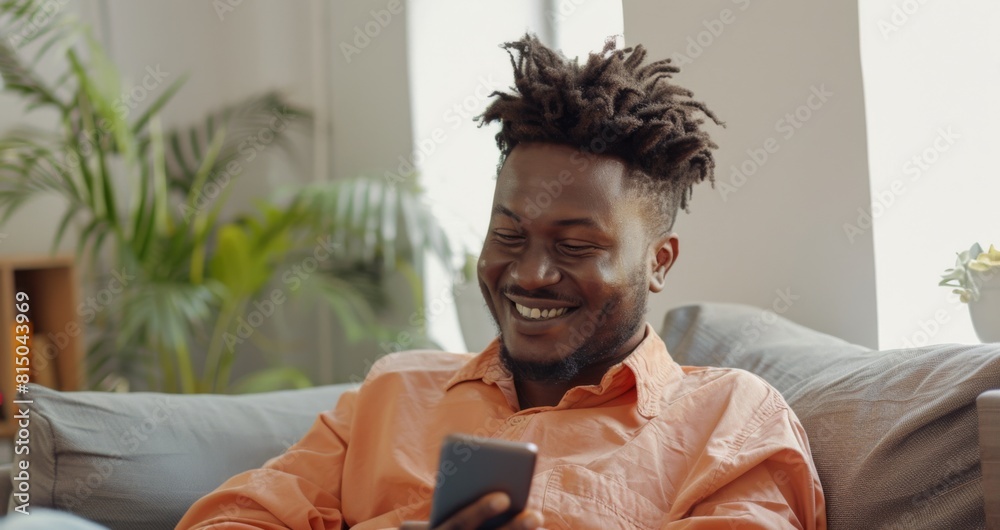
x: 568, y: 262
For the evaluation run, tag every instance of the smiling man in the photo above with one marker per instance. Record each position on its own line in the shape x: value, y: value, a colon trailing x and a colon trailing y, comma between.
x: 567, y: 284
x: 596, y: 161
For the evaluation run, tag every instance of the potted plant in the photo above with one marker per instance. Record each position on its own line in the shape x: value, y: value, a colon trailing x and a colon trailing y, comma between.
x: 976, y: 279
x: 148, y: 200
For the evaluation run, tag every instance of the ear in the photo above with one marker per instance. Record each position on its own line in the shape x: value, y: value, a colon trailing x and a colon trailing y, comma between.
x: 664, y: 256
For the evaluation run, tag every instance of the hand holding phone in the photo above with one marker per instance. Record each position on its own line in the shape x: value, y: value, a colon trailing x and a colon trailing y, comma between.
x: 475, y: 515
x: 470, y: 470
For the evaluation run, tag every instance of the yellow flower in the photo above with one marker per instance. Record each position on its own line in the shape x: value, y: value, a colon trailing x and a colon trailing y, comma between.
x: 986, y: 260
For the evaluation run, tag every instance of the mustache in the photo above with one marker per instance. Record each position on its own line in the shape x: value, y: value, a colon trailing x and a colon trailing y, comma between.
x: 541, y: 294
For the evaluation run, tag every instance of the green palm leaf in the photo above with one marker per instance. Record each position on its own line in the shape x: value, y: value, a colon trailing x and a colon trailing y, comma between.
x: 18, y: 27
x: 166, y: 315
x: 377, y: 224
x: 251, y: 127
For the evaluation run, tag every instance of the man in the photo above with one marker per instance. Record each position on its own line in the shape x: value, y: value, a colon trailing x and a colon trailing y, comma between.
x: 596, y: 161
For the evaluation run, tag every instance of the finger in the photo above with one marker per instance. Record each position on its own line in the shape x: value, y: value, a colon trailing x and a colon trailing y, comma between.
x: 478, y: 512
x: 526, y: 520
x: 414, y: 525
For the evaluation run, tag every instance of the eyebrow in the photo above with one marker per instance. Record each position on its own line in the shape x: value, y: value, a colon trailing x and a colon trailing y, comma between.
x: 579, y: 221
x: 576, y: 221
x: 503, y: 210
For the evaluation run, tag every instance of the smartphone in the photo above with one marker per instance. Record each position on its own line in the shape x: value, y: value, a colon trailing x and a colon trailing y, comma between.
x: 471, y: 467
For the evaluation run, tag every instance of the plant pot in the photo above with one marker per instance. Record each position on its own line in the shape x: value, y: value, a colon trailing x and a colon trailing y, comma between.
x: 985, y: 312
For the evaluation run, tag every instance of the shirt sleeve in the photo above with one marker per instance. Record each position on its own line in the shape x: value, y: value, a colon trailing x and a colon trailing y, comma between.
x: 770, y: 482
x: 298, y: 490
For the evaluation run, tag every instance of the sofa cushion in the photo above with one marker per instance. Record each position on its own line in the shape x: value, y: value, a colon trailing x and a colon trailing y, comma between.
x: 894, y: 434
x: 139, y: 460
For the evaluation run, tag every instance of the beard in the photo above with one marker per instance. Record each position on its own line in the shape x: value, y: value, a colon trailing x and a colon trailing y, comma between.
x: 603, y: 333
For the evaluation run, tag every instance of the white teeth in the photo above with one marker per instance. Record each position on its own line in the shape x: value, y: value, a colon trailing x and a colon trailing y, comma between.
x: 539, y: 314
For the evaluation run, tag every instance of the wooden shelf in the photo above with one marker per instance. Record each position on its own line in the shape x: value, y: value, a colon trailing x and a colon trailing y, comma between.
x: 56, y: 345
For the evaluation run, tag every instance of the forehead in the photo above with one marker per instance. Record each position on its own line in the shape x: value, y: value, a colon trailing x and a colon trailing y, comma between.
x: 549, y: 181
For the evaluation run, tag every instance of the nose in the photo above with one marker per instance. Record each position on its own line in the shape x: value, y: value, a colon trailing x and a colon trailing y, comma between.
x: 534, y: 270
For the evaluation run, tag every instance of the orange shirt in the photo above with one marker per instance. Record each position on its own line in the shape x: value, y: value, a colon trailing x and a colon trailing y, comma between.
x: 654, y: 445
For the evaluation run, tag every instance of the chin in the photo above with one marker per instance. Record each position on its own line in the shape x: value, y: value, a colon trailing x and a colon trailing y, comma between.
x: 526, y: 366
x: 527, y: 354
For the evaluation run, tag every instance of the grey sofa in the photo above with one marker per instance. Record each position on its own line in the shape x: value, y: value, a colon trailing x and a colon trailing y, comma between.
x: 896, y: 435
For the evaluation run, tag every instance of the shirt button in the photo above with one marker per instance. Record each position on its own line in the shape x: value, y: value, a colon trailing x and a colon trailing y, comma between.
x: 516, y: 420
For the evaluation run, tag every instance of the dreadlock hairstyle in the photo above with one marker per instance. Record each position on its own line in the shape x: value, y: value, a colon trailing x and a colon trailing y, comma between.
x: 611, y: 105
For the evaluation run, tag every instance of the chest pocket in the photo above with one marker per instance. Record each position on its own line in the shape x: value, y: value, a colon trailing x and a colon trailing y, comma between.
x: 577, y: 498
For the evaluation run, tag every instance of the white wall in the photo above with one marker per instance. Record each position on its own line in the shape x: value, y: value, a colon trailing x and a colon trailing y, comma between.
x: 779, y: 229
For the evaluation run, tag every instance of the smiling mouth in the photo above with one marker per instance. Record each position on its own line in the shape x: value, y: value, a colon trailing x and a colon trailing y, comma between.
x: 534, y: 313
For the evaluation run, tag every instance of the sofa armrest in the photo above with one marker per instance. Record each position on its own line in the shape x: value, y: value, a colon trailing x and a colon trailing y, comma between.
x: 988, y: 406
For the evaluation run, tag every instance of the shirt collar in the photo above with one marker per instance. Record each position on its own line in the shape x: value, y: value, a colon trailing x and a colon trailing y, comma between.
x: 649, y: 367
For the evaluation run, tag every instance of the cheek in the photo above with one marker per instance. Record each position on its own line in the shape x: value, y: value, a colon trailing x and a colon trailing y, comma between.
x: 608, y: 279
x: 595, y: 283
x: 489, y: 267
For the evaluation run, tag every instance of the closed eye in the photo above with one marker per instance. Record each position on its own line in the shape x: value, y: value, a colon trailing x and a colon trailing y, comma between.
x: 507, y: 237
x: 577, y: 249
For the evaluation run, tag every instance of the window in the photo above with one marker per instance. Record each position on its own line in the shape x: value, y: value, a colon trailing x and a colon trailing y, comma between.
x: 930, y: 74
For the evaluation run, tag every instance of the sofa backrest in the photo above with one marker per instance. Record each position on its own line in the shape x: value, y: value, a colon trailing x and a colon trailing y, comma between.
x: 894, y: 434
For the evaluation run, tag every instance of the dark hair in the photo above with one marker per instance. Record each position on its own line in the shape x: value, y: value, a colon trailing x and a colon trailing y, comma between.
x: 611, y: 105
